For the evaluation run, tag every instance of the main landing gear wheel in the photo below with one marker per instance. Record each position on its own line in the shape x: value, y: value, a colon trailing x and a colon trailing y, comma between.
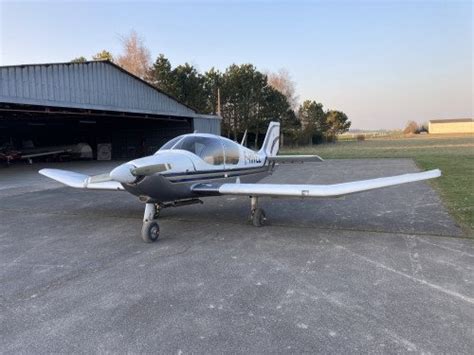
x: 258, y: 217
x: 150, y: 231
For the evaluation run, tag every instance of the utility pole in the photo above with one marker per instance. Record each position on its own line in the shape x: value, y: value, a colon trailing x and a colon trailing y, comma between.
x: 218, y: 101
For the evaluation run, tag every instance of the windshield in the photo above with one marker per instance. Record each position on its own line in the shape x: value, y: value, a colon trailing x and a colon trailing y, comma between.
x: 171, y: 143
x: 208, y: 149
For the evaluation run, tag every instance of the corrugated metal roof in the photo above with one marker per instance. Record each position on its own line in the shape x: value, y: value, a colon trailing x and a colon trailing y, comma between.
x: 95, y: 85
x: 453, y: 120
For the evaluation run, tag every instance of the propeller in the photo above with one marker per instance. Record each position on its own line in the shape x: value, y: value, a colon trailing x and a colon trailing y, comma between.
x: 128, y: 173
x: 99, y: 178
x: 150, y: 169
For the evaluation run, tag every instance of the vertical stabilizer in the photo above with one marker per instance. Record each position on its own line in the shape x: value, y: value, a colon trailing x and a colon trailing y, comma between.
x: 271, y: 144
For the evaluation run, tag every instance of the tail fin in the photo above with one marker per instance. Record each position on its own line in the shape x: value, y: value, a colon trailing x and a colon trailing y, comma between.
x: 271, y: 144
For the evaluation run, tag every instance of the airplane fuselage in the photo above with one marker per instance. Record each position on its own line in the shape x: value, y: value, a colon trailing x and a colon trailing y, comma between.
x: 225, y: 162
x: 174, y: 187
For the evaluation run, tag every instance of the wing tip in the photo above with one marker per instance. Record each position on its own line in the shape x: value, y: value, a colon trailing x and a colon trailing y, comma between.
x: 47, y: 171
x: 434, y: 173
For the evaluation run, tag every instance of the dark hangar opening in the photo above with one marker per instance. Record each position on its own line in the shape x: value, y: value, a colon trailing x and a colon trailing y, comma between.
x: 130, y: 135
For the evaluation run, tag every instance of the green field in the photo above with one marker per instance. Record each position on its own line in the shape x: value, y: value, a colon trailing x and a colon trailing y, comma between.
x: 454, y: 155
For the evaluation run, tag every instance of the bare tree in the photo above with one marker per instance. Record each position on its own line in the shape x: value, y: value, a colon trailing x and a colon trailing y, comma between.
x: 411, y: 128
x: 282, y: 82
x: 135, y: 57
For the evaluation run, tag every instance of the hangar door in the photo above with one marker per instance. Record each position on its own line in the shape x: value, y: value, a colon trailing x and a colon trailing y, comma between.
x: 129, y: 137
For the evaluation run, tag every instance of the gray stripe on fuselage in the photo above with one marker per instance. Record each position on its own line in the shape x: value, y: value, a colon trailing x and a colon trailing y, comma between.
x: 196, y: 176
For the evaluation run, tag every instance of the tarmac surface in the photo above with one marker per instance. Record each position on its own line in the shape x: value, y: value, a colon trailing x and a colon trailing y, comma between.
x: 385, y: 271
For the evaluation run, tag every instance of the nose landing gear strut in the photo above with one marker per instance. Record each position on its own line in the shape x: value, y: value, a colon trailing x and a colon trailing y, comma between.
x: 151, y: 228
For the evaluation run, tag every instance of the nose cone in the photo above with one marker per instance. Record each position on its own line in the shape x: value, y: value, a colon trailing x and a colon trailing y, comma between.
x: 123, y: 174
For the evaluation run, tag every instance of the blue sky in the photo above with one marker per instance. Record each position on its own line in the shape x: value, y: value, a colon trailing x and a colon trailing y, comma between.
x: 383, y: 63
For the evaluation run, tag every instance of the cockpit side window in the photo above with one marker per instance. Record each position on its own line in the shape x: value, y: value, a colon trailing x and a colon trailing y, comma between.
x: 208, y: 149
x: 171, y: 143
x: 232, y: 152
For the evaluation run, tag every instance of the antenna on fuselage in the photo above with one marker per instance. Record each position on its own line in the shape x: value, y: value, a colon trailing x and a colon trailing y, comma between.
x: 244, y: 139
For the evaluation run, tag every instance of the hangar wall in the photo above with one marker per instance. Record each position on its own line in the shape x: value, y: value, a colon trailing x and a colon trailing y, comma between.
x: 207, y: 124
x: 465, y: 125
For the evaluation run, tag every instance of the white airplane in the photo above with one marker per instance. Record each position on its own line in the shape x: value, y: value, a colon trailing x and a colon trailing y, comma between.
x: 197, y: 165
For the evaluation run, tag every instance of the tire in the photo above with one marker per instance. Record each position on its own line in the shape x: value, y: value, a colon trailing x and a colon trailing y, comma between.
x: 258, y: 218
x: 150, y: 232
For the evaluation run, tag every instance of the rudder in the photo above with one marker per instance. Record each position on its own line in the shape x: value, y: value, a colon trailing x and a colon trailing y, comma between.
x: 271, y: 143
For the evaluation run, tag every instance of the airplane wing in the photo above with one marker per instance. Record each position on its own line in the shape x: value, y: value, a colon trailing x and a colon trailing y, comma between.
x: 81, y: 181
x: 332, y: 190
x: 42, y: 154
x: 295, y: 159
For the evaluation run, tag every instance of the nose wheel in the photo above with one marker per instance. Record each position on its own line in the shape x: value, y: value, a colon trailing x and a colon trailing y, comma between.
x: 150, y: 228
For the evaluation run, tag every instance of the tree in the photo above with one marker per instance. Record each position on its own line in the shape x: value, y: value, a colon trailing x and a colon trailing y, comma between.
x: 411, y: 128
x: 212, y: 82
x: 160, y: 74
x: 188, y: 86
x: 337, y: 122
x: 276, y: 107
x: 249, y: 102
x: 103, y: 55
x: 424, y: 127
x: 282, y: 82
x: 313, y: 120
x: 241, y: 95
x: 80, y: 59
x: 135, y: 57
x: 184, y: 83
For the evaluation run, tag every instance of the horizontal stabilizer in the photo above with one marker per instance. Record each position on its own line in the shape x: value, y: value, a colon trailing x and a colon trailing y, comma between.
x: 284, y: 159
x: 79, y: 181
x: 334, y: 190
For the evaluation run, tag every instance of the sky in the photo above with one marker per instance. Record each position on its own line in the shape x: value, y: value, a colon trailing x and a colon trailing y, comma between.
x: 381, y: 62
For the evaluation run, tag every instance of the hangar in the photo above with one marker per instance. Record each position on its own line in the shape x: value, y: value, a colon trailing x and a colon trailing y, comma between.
x: 457, y: 125
x: 95, y: 102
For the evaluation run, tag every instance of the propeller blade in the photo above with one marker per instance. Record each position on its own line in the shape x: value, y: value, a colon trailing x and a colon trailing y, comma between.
x: 128, y: 173
x: 150, y: 169
x: 100, y: 178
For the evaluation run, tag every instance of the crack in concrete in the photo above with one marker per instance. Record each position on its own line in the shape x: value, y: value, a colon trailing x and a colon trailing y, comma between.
x: 413, y: 278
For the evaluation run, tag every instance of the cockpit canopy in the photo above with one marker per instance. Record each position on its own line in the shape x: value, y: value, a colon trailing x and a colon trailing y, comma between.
x: 213, y: 150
